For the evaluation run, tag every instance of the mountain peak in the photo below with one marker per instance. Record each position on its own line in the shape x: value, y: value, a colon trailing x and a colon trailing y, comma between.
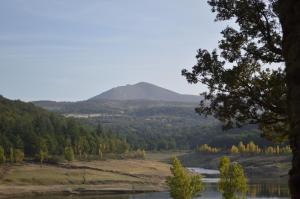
x: 145, y: 91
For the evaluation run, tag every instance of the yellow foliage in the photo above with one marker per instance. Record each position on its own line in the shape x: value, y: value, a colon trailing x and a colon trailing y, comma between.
x: 208, y: 149
x: 234, y: 150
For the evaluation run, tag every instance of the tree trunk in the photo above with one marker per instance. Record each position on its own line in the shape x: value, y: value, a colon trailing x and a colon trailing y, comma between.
x: 290, y: 20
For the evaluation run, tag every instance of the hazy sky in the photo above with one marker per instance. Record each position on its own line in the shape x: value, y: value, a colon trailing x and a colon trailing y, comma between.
x: 75, y: 49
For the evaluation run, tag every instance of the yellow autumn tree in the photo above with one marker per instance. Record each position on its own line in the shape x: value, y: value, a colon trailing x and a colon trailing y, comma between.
x: 234, y: 149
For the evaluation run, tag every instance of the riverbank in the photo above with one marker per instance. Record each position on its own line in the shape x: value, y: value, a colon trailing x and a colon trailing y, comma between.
x: 267, y: 167
x: 95, y: 177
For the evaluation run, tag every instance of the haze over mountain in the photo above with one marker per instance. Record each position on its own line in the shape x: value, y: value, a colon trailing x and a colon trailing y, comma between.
x: 145, y: 91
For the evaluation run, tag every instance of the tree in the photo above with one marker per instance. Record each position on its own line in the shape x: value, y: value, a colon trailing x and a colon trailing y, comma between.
x: 243, y: 80
x: 289, y: 18
x: 246, y: 79
x: 11, y: 155
x: 242, y: 147
x: 2, y: 155
x: 182, y: 185
x: 232, y: 179
x: 42, y: 155
x: 82, y: 145
x: 69, y: 154
x: 234, y: 149
x: 18, y: 155
x: 43, y: 151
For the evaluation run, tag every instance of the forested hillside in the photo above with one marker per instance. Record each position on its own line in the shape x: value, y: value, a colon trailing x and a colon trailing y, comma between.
x: 154, y: 125
x: 31, y: 129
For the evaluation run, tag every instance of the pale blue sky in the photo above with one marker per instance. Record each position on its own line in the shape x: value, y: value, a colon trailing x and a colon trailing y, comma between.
x: 74, y: 49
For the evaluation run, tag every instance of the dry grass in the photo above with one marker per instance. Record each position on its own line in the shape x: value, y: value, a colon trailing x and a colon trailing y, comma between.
x: 89, y: 173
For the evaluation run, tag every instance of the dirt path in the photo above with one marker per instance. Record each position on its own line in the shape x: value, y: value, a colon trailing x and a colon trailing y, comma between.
x: 68, y: 166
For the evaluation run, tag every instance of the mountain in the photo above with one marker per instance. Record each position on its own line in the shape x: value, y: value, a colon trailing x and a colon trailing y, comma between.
x: 145, y: 91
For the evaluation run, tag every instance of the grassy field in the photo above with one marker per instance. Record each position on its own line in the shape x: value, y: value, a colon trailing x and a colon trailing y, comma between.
x: 89, y: 177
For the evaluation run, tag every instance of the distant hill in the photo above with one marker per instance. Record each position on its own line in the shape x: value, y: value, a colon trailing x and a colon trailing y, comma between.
x: 145, y: 91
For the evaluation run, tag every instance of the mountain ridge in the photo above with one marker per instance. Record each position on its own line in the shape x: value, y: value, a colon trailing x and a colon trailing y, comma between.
x: 145, y: 91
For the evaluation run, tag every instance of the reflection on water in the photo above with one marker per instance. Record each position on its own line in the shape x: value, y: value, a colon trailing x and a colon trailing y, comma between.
x: 261, y: 191
x: 270, y: 190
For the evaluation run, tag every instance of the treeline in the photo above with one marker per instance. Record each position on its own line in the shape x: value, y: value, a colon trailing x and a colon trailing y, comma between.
x: 36, y: 132
x: 207, y: 148
x: 249, y: 148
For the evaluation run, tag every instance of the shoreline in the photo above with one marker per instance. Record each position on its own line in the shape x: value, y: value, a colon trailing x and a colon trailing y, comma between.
x: 14, y: 191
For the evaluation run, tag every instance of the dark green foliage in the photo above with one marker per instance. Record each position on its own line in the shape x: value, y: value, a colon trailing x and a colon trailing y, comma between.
x: 40, y: 133
x: 171, y: 130
x: 245, y: 83
x: 154, y: 125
